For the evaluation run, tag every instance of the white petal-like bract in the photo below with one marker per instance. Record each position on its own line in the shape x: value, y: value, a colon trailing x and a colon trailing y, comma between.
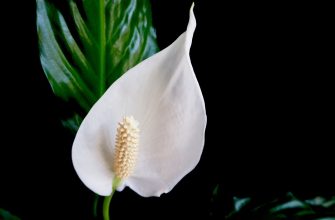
x: 163, y: 95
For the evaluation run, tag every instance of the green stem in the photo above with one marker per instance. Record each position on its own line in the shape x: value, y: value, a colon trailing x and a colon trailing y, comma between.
x: 95, y: 206
x: 102, y: 46
x: 107, y: 200
x: 106, y: 204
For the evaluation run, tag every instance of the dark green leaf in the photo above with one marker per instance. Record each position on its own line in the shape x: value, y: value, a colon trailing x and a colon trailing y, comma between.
x: 271, y: 206
x: 88, y: 44
x: 285, y: 207
x: 5, y: 215
x: 240, y: 203
x: 216, y: 191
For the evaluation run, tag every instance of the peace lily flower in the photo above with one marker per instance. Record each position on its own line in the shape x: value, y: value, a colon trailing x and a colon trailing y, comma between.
x: 147, y: 131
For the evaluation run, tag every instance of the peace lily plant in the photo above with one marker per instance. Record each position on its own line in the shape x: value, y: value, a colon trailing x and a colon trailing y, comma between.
x: 147, y: 131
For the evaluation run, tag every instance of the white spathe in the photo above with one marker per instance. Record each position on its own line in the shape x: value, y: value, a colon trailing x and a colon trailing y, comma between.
x: 163, y: 95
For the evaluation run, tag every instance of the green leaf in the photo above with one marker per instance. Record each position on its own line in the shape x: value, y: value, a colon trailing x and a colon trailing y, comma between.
x: 285, y: 207
x: 5, y: 215
x: 88, y: 44
x: 271, y: 206
x: 239, y: 203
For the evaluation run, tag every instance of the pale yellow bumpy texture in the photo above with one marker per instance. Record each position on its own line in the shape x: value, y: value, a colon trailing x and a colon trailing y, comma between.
x: 126, y: 142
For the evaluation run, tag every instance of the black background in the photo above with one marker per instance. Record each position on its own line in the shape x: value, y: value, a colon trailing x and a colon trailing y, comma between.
x: 265, y: 72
